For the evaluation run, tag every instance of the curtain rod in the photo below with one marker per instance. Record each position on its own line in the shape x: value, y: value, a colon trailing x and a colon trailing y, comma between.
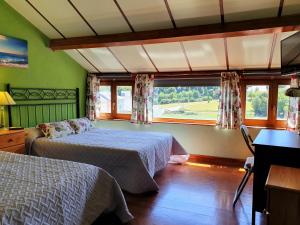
x: 192, y: 74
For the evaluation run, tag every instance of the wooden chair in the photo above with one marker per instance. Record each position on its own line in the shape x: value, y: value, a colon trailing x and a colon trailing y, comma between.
x: 248, y: 166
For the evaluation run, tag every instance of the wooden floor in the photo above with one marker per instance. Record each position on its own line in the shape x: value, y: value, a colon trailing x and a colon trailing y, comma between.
x: 192, y: 195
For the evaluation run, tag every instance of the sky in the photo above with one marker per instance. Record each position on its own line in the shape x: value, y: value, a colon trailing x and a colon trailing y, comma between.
x: 13, y: 45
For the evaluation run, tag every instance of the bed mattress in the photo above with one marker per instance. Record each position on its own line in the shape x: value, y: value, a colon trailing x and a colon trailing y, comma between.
x: 131, y: 157
x: 36, y: 190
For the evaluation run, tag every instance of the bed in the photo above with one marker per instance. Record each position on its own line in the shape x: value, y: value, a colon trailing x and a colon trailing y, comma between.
x: 131, y: 157
x: 36, y: 190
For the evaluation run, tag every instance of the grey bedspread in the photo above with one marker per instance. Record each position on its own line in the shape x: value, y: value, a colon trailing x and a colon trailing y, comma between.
x: 36, y: 190
x: 131, y: 157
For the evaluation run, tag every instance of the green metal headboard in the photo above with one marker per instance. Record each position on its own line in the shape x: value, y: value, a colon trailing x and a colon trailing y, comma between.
x: 40, y: 105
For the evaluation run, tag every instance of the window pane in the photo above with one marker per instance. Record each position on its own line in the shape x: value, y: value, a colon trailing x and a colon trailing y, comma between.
x: 105, y: 99
x: 198, y: 103
x: 257, y: 97
x: 124, y: 99
x: 282, y: 102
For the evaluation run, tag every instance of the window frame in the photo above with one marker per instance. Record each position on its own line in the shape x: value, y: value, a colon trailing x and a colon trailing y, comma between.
x: 114, y: 114
x: 271, y: 121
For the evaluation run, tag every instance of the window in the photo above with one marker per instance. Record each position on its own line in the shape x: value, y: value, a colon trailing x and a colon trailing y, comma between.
x: 282, y: 102
x: 264, y: 102
x: 115, y: 100
x: 105, y: 99
x: 257, y: 98
x: 124, y: 99
x: 196, y: 101
x: 186, y: 103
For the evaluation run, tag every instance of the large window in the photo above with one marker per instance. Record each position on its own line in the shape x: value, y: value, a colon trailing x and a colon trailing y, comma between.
x: 196, y: 101
x: 186, y: 103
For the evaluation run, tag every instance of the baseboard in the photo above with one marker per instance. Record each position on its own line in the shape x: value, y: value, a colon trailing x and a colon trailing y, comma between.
x: 214, y: 160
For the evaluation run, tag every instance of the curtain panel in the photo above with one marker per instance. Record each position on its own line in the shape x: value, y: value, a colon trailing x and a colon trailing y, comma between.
x: 293, y: 120
x: 230, y: 113
x: 92, y: 96
x: 142, y: 101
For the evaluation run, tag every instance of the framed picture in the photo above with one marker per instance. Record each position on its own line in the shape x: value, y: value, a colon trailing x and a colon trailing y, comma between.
x: 13, y: 52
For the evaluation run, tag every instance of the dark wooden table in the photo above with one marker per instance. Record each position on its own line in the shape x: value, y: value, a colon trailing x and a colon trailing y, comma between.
x: 278, y: 147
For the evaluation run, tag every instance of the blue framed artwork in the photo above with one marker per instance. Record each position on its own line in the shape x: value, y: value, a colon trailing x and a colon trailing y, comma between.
x: 13, y: 52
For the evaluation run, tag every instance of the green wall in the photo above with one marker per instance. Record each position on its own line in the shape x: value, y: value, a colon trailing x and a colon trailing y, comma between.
x: 46, y: 67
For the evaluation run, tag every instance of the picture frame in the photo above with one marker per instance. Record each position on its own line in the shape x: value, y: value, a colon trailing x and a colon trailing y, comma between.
x: 13, y: 52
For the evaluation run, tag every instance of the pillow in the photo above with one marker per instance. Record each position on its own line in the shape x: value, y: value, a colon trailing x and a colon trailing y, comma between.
x: 81, y: 125
x: 56, y: 129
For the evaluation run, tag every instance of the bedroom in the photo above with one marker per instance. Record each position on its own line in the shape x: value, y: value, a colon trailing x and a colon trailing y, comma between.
x: 185, y: 47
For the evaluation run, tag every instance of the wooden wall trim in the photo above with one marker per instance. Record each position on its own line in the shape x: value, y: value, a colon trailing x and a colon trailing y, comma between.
x: 214, y: 160
x: 246, y: 74
x: 231, y: 29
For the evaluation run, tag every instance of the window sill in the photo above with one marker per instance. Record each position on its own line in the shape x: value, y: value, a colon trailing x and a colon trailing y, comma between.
x: 186, y: 122
x: 195, y: 122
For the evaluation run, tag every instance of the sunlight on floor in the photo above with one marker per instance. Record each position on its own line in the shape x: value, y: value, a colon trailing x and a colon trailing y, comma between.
x: 210, y: 166
x: 198, y: 164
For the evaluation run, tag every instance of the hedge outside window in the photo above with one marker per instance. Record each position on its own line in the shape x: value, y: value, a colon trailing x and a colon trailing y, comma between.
x: 257, y: 98
x: 192, y: 103
x: 282, y: 102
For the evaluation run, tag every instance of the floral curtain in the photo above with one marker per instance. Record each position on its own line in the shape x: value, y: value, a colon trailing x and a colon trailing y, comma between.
x: 293, y: 120
x: 230, y: 115
x: 92, y: 97
x: 142, y: 103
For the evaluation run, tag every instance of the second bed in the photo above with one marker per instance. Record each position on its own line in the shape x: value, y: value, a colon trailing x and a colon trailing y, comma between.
x: 132, y: 158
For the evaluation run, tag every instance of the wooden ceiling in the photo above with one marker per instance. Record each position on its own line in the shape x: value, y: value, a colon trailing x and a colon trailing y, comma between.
x: 257, y: 47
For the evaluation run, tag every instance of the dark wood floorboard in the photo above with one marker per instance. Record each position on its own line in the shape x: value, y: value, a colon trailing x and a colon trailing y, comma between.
x: 192, y: 195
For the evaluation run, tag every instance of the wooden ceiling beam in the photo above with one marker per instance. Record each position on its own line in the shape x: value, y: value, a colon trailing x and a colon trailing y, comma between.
x: 247, y: 72
x: 231, y: 29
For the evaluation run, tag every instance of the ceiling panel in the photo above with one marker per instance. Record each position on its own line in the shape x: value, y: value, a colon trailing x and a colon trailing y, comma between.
x: 249, y: 51
x: 82, y: 61
x: 276, y: 61
x: 235, y: 10
x: 104, y: 16
x: 206, y: 54
x: 195, y: 12
x: 167, y: 56
x: 103, y: 59
x: 63, y: 17
x: 291, y: 7
x: 145, y: 14
x: 133, y: 58
x: 31, y: 15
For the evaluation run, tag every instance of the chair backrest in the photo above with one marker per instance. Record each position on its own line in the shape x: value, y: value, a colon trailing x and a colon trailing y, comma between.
x: 247, y: 138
